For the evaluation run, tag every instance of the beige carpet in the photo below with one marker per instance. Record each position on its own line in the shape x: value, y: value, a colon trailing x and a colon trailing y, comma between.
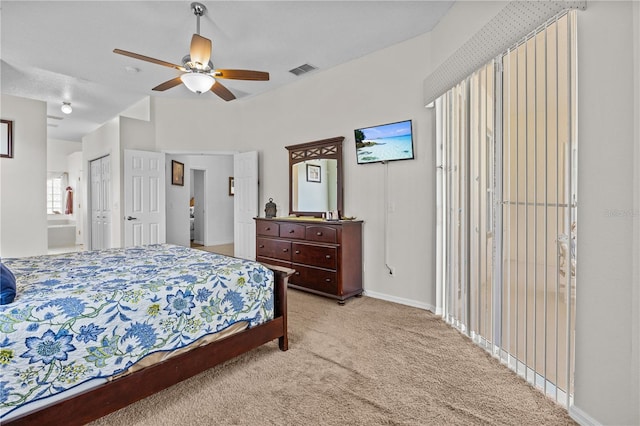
x: 369, y: 362
x: 225, y: 249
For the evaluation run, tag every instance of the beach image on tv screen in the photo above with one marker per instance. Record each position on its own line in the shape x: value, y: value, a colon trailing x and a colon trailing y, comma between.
x: 384, y: 143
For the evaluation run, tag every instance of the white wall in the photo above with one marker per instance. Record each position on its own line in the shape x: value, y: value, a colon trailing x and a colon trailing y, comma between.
x: 23, y: 200
x: 58, y: 152
x: 635, y: 290
x: 312, y: 196
x: 606, y: 371
x: 177, y: 198
x: 74, y: 162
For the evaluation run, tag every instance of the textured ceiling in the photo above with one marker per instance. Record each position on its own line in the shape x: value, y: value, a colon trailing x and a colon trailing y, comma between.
x: 58, y: 51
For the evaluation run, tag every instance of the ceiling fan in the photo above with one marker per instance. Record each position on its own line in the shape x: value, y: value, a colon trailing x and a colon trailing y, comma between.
x: 198, y: 73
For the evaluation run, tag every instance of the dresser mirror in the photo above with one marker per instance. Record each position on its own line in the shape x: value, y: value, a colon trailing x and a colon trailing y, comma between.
x: 315, y: 177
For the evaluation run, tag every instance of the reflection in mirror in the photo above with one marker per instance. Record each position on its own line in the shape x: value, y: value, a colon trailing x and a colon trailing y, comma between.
x: 315, y: 185
x: 315, y: 177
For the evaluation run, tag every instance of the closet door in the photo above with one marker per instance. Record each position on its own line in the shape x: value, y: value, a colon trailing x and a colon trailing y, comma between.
x: 100, y: 175
x: 106, y: 201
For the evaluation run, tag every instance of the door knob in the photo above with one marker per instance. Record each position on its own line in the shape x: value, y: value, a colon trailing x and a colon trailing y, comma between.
x: 131, y: 218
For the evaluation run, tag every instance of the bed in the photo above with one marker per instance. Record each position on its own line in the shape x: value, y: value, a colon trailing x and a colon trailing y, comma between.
x: 92, y: 332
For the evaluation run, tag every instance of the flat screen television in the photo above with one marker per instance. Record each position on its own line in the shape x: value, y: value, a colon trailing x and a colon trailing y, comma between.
x: 385, y: 142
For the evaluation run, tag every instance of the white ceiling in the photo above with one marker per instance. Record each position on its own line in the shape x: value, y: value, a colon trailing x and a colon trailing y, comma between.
x: 58, y: 51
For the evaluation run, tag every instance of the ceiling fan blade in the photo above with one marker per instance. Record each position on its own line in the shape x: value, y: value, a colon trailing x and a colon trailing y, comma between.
x: 148, y: 59
x: 222, y: 91
x: 242, y: 75
x: 200, y: 49
x: 167, y: 84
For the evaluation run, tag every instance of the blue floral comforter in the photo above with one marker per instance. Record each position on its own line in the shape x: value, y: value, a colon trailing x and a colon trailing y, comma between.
x: 90, y: 315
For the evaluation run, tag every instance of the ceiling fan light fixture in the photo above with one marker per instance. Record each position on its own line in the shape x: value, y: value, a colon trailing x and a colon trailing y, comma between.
x: 197, y: 82
x: 66, y: 108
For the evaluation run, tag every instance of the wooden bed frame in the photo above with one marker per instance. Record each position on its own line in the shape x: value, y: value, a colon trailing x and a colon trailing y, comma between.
x: 109, y: 397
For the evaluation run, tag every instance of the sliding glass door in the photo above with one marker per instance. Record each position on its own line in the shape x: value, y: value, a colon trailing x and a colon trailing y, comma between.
x: 509, y: 152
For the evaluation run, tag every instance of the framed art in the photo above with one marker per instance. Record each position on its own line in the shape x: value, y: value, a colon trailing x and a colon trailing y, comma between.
x: 313, y: 173
x: 177, y: 173
x: 232, y: 190
x: 6, y: 139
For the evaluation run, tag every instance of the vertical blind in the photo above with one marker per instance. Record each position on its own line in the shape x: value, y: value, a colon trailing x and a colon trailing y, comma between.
x: 509, y: 229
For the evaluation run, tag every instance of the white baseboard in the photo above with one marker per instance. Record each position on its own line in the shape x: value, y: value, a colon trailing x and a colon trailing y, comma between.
x: 582, y: 418
x: 400, y: 300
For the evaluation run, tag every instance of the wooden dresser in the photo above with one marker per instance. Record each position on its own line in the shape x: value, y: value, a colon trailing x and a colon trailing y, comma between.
x: 326, y: 255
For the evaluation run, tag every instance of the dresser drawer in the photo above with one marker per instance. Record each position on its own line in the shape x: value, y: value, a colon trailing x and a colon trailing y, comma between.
x: 292, y: 230
x: 271, y: 261
x: 320, y: 256
x: 271, y: 229
x: 324, y: 234
x: 277, y: 249
x: 314, y: 278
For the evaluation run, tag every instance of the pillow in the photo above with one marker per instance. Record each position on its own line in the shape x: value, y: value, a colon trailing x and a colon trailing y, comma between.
x: 7, y: 285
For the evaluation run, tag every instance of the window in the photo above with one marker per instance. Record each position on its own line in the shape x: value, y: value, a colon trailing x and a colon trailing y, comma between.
x: 54, y: 195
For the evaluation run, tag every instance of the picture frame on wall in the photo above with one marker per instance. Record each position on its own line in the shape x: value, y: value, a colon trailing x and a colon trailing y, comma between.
x: 177, y: 173
x: 313, y: 173
x: 232, y: 190
x: 6, y: 138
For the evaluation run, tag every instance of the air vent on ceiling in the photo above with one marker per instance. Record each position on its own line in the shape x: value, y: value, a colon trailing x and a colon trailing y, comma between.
x: 53, y: 117
x: 302, y: 69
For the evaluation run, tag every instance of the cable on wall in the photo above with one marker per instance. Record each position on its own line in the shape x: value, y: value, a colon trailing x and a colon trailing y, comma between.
x: 386, y: 217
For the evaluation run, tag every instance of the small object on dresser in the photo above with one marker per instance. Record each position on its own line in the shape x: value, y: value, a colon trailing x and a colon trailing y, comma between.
x: 270, y: 209
x: 332, y: 215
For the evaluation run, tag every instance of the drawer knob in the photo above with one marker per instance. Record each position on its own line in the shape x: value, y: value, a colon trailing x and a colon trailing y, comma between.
x: 297, y: 273
x: 328, y: 280
x: 285, y: 250
x: 297, y: 251
x: 291, y: 231
x: 328, y: 256
x: 261, y: 246
x: 319, y: 234
x: 268, y: 229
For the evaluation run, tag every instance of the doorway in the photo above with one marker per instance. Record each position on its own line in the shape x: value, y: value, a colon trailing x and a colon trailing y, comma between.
x: 197, y: 213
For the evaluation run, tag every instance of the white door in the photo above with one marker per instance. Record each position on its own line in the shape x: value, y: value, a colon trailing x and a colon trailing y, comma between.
x: 144, y: 198
x: 100, y: 172
x: 245, y: 204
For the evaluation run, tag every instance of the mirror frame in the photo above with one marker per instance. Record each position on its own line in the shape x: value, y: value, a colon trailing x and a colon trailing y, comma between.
x: 321, y: 149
